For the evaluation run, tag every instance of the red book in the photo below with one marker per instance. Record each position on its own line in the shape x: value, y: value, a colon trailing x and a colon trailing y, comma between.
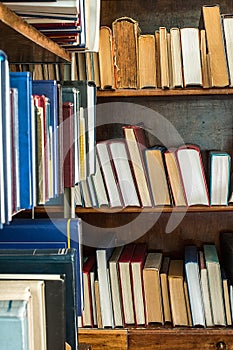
x: 88, y: 284
x: 136, y: 143
x: 137, y: 264
x: 125, y: 283
x: 68, y: 144
x: 193, y: 175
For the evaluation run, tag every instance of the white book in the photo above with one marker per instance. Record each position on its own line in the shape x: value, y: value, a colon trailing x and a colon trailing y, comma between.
x: 194, y: 286
x: 215, y: 284
x: 115, y: 287
x: 109, y: 178
x: 228, y: 35
x: 104, y: 288
x: 99, y: 186
x: 205, y: 291
x: 220, y: 164
x: 176, y: 59
x: 190, y: 45
x: 125, y: 179
x: 193, y: 175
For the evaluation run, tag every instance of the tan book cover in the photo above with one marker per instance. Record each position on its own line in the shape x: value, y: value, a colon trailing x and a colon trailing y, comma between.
x: 97, y: 304
x: 147, y: 61
x: 157, y: 58
x: 164, y: 63
x: 152, y: 288
x: 106, y: 64
x: 176, y: 59
x: 157, y: 176
x: 205, y: 64
x: 211, y: 22
x: 177, y: 293
x: 174, y: 178
x: 125, y: 35
x: 165, y: 290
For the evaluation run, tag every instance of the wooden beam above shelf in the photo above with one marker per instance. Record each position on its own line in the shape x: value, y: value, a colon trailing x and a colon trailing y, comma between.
x: 24, y: 44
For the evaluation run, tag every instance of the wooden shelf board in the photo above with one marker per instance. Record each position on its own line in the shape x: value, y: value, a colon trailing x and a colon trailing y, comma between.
x: 163, y: 93
x: 155, y: 210
x: 104, y: 338
x: 162, y: 338
x: 24, y: 44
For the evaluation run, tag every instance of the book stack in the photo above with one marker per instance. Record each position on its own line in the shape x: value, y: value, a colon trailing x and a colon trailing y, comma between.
x: 73, y: 24
x: 176, y: 58
x: 144, y: 288
x: 129, y: 173
x: 47, y: 147
x: 41, y: 269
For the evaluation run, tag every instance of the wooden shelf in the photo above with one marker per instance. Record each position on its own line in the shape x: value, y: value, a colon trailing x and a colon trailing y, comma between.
x: 164, y: 93
x: 158, y: 338
x: 194, y: 209
x: 58, y: 210
x: 24, y: 44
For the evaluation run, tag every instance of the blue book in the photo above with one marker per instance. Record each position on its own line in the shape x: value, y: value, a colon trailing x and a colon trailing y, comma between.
x: 46, y: 234
x: 22, y: 81
x: 194, y: 286
x: 49, y: 88
x: 14, y: 325
x: 48, y: 261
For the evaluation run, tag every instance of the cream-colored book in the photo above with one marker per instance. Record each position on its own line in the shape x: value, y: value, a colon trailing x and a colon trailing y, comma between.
x: 146, y: 61
x: 37, y: 289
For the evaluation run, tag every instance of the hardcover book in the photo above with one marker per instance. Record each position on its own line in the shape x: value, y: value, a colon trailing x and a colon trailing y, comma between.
x: 152, y: 288
x: 14, y: 320
x: 126, y: 52
x: 193, y: 175
x: 126, y: 283
x: 136, y: 143
x: 211, y: 22
x: 48, y: 261
x: 46, y: 234
x: 215, y: 284
x: 22, y: 81
x: 55, y: 307
x: 194, y: 286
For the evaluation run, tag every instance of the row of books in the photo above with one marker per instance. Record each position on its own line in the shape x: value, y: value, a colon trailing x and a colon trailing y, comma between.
x: 128, y: 173
x: 41, y: 275
x: 175, y: 58
x: 48, y: 138
x: 73, y: 24
x: 131, y: 286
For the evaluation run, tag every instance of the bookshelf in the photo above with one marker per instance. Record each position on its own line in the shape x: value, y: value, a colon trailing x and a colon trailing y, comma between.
x: 201, y: 116
x: 24, y: 44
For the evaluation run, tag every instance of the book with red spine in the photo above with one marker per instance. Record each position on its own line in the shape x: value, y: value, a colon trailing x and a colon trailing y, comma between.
x: 193, y: 176
x: 126, y: 283
x: 137, y: 264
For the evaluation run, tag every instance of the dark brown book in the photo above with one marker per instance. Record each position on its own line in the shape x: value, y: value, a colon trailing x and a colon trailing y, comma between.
x: 125, y: 36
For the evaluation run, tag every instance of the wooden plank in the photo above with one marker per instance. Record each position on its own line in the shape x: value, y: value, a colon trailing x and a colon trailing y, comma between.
x: 163, y: 93
x: 173, y: 339
x: 100, y: 339
x: 24, y: 44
